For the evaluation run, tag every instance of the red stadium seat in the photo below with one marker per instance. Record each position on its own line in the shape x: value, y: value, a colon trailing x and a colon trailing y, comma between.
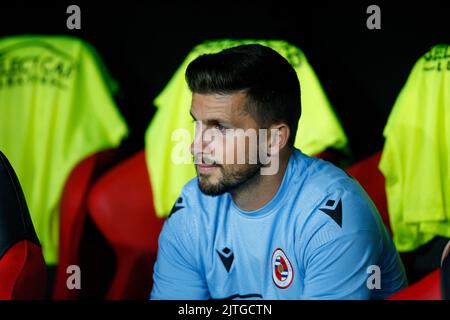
x: 23, y: 272
x: 121, y: 206
x: 22, y: 266
x: 426, y: 289
x: 366, y: 172
x: 73, y: 213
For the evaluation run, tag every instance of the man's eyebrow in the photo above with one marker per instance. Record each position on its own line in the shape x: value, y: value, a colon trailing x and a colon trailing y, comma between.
x: 208, y: 121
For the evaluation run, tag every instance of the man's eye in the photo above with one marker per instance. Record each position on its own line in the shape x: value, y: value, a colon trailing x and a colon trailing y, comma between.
x: 220, y: 127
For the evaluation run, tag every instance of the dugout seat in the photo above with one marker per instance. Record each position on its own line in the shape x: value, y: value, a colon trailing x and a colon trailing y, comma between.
x: 121, y: 206
x: 427, y: 288
x: 73, y: 214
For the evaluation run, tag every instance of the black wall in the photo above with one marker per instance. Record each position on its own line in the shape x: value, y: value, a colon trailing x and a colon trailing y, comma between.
x: 361, y: 70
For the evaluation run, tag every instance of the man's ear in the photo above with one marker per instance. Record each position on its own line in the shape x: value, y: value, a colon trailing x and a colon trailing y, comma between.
x: 278, y: 137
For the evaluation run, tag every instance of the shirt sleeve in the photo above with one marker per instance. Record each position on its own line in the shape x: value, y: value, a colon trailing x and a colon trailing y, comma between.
x: 339, y: 269
x: 342, y: 255
x: 177, y: 275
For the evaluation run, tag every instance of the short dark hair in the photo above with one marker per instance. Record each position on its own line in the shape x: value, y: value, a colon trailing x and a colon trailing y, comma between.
x: 271, y: 83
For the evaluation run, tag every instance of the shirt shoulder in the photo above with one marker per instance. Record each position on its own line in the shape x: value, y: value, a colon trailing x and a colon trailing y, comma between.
x: 195, y: 201
x: 193, y: 209
x: 336, y: 206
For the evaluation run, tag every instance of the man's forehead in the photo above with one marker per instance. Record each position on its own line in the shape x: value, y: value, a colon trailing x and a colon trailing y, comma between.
x: 210, y: 106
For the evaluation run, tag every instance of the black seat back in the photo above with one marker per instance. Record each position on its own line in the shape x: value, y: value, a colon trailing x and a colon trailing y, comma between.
x: 15, y: 220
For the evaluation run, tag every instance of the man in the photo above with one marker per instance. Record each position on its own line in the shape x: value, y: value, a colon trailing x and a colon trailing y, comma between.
x: 287, y: 226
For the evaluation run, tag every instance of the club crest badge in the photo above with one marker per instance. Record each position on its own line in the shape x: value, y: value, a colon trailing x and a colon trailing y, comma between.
x: 282, y: 271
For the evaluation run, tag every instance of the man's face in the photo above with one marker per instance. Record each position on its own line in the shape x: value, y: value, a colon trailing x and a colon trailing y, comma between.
x: 217, y: 156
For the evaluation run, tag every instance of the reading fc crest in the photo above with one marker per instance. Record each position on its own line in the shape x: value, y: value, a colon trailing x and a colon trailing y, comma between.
x: 282, y: 271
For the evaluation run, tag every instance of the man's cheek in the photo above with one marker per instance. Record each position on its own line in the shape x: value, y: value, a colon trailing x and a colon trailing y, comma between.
x: 214, y: 140
x: 229, y: 150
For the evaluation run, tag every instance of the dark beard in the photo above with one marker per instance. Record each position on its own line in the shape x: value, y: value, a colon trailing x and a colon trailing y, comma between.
x: 230, y: 182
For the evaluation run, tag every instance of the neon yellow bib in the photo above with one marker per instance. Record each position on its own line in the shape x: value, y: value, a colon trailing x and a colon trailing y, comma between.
x: 319, y: 127
x: 416, y: 154
x: 56, y: 109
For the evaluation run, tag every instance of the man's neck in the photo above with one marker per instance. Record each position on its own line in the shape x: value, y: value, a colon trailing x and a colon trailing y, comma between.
x: 258, y: 193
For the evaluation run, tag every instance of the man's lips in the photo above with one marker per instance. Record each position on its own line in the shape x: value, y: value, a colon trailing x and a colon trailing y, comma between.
x: 205, y: 168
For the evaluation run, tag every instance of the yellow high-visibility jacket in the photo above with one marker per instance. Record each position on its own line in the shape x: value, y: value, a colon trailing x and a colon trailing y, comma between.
x: 416, y: 154
x: 56, y: 108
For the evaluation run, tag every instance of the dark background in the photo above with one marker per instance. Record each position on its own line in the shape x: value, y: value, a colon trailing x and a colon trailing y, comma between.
x: 361, y: 70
